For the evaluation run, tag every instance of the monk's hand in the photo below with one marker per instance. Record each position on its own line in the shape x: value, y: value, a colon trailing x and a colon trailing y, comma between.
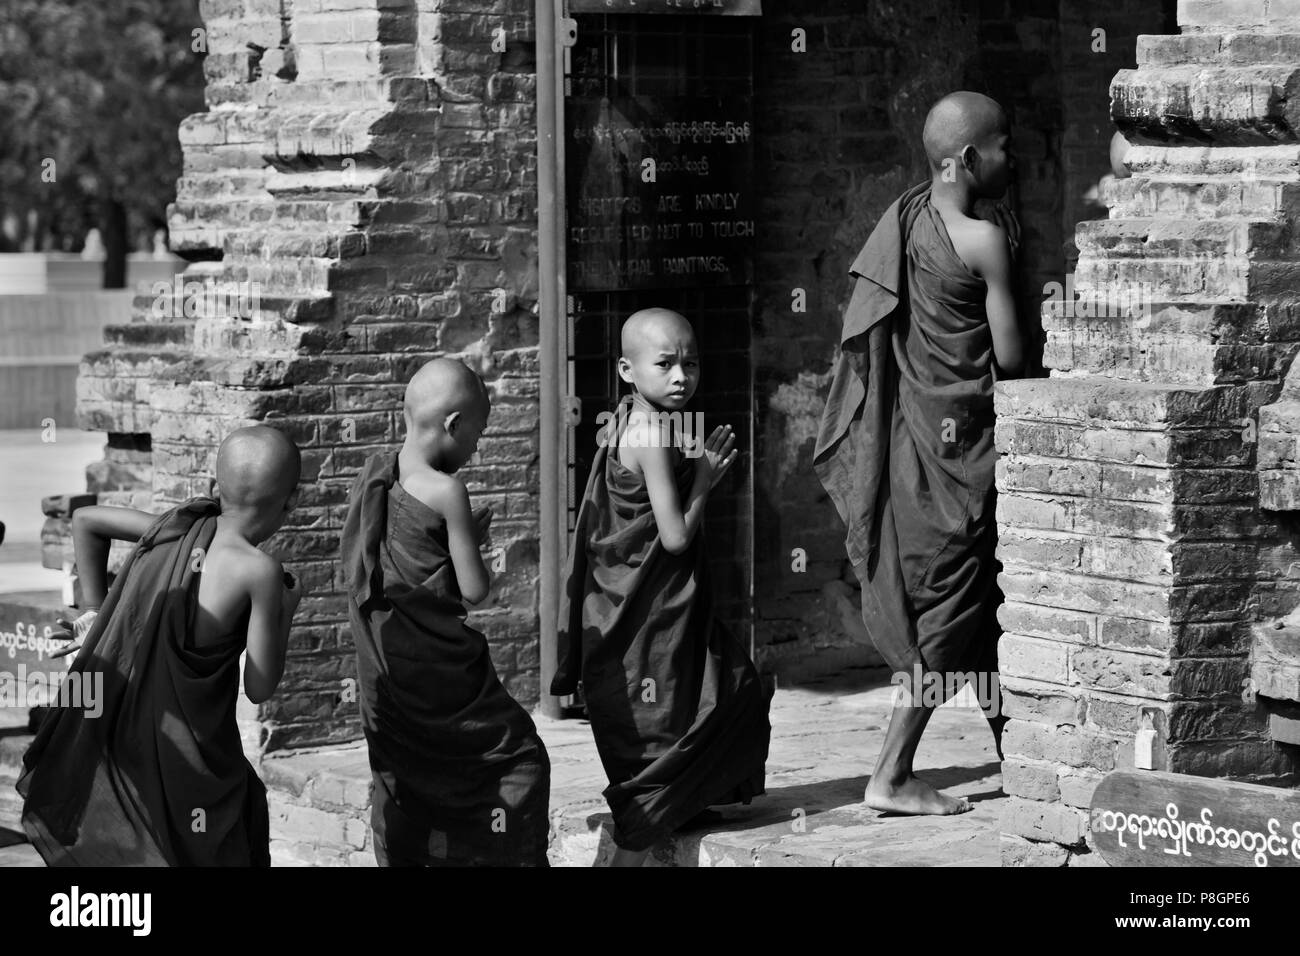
x: 719, y: 453
x: 482, y: 521
x: 76, y: 629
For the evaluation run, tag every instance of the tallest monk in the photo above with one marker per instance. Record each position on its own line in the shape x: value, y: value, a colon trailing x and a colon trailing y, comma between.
x: 906, y: 443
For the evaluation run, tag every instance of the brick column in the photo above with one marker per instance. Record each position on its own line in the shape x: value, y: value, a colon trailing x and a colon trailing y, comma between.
x: 1136, y: 551
x: 367, y: 170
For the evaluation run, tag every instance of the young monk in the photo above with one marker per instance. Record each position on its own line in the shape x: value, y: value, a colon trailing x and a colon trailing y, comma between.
x: 906, y: 445
x: 158, y: 777
x: 461, y: 777
x: 676, y: 707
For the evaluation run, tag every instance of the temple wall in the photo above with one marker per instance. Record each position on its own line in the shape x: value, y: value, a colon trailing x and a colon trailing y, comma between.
x: 1140, y: 561
x: 365, y: 174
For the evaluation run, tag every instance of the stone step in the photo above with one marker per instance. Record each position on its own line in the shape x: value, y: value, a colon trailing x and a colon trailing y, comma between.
x: 1207, y: 280
x: 1228, y: 49
x: 1166, y: 360
x: 1127, y: 337
x: 1233, y: 105
x: 224, y: 185
x: 1197, y: 164
x: 1147, y: 197
x: 1219, y: 16
x: 1111, y: 403
x: 1156, y: 238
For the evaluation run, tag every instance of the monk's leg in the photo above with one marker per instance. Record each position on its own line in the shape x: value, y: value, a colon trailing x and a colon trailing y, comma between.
x: 893, y: 786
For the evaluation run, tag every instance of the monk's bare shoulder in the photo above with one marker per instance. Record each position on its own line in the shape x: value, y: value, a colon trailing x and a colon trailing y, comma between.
x: 439, y: 491
x: 643, y: 440
x: 240, y: 566
x: 981, y: 244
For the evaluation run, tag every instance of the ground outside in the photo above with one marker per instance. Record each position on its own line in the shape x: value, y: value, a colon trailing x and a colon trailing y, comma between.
x: 825, y: 736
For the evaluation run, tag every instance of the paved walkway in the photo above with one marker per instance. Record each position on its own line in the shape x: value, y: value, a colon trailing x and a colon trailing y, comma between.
x: 825, y: 737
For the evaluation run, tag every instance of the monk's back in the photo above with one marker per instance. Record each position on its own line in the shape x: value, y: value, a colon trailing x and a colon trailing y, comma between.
x: 221, y: 615
x: 948, y: 341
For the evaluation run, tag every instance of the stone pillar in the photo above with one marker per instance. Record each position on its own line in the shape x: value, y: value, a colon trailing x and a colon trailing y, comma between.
x: 1136, y: 551
x: 364, y: 180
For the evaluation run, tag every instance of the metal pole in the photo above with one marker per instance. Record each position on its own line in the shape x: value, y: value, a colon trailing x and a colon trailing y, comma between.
x: 551, y: 339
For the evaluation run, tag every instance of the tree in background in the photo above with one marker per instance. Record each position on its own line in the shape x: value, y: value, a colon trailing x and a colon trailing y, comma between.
x: 91, y: 95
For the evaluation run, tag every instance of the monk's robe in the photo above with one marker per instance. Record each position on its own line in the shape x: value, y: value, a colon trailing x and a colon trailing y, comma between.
x: 906, y: 449
x: 461, y: 777
x: 676, y: 707
x: 157, y: 777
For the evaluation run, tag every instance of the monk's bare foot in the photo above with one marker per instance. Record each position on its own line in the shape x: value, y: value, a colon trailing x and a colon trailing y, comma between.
x: 914, y: 797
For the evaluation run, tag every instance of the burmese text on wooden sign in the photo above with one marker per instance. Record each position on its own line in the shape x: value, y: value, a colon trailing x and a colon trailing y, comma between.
x: 1166, y: 819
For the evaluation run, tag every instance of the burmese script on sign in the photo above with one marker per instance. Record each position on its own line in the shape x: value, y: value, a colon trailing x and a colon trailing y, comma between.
x: 659, y: 192
x: 1153, y: 818
x: 1172, y: 834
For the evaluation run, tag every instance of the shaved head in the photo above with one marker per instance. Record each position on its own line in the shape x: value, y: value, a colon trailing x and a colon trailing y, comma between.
x: 441, y: 387
x: 653, y: 328
x: 959, y: 120
x: 257, y: 467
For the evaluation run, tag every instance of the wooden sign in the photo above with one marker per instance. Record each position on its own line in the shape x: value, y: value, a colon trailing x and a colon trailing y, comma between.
x: 734, y: 8
x: 659, y: 192
x: 1145, y: 818
x: 28, y: 677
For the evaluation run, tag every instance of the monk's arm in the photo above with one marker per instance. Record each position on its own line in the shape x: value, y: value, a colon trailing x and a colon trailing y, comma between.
x: 463, y: 536
x: 271, y: 606
x: 93, y: 531
x: 1000, y: 303
x: 676, y: 524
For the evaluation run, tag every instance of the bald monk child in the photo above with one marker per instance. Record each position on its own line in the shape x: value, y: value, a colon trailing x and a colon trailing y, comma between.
x: 677, y: 710
x: 461, y: 777
x: 906, y: 444
x: 157, y: 776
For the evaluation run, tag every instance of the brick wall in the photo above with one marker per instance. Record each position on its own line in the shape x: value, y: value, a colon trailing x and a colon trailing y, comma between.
x: 368, y: 168
x: 1140, y: 567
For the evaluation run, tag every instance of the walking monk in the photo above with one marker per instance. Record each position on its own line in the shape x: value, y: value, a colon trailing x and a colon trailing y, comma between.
x: 676, y: 706
x: 460, y: 776
x: 155, y: 774
x: 906, y: 444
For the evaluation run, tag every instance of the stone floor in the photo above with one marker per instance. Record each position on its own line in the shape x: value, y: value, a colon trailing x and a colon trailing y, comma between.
x: 824, y: 738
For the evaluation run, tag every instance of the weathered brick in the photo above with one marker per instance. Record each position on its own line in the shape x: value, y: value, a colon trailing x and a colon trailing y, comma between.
x: 1068, y: 745
x: 1017, y: 851
x: 1048, y: 822
x: 1034, y: 780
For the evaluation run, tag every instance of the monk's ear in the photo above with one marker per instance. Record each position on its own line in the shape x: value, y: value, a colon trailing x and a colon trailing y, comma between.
x: 451, y: 423
x: 625, y: 370
x: 970, y: 157
x: 213, y: 490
